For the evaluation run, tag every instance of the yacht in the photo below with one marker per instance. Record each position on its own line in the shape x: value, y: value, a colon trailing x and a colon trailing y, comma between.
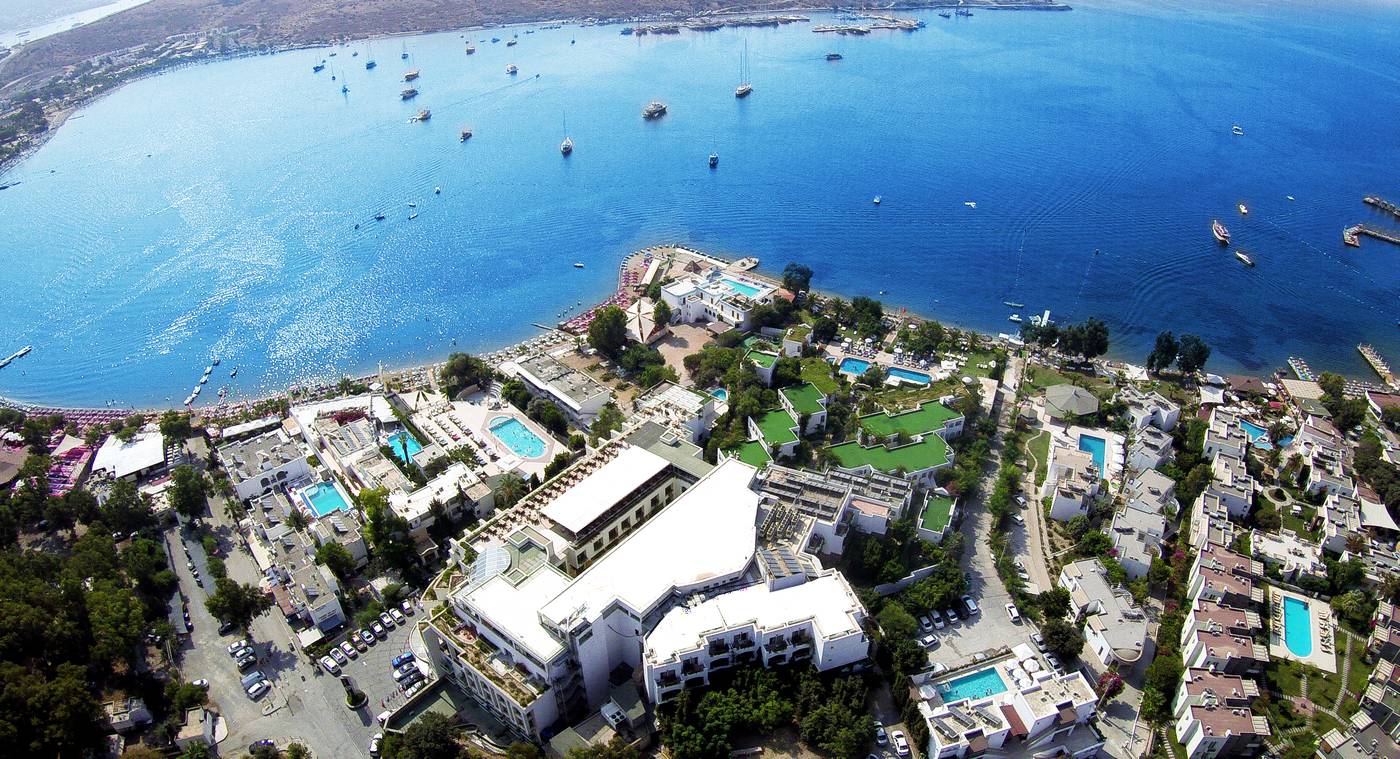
x: 466, y: 134
x: 413, y: 215
x: 423, y: 115
x: 1222, y: 235
x: 404, y: 55
x: 318, y: 68
x: 1015, y: 318
x: 512, y: 43
x: 876, y: 201
x: 471, y: 49
x: 1237, y: 130
x: 833, y: 56
x: 1244, y: 211
x: 1013, y: 304
x: 1244, y: 258
x: 379, y: 217
x: 408, y: 94
x: 578, y: 264
x: 370, y: 64
x: 744, y: 88
x: 512, y: 70
x: 437, y: 190
x: 567, y: 146
x: 654, y: 110
x: 410, y: 75
x: 714, y: 160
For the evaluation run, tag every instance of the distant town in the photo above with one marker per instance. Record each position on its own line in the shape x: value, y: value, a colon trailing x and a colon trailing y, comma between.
x: 720, y: 514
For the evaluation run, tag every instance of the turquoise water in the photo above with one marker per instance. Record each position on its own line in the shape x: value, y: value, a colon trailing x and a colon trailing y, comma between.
x: 720, y: 393
x: 1096, y: 446
x: 1259, y: 436
x: 323, y: 498
x: 397, y: 442
x: 517, y: 437
x: 1297, y: 626
x: 741, y: 288
x: 854, y: 366
x: 145, y: 237
x: 980, y: 684
x: 910, y: 375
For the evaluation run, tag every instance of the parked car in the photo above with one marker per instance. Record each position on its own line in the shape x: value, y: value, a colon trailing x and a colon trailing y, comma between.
x: 405, y: 671
x: 367, y: 635
x: 247, y: 662
x: 359, y: 642
x: 952, y: 615
x: 386, y: 620
x: 227, y: 627
x: 925, y: 624
x: 1021, y: 573
x: 236, y: 646
x: 980, y: 656
x: 401, y: 659
x: 1018, y: 518
x: 339, y: 657
x: 379, y: 631
x: 374, y: 744
x: 1054, y: 662
x: 881, y: 737
x: 259, y: 689
x: 330, y: 666
x: 349, y: 650
x: 410, y: 680
x: 1021, y: 501
x: 1013, y: 613
x: 937, y: 618
x: 407, y: 607
x: 201, y: 683
x: 938, y: 668
x: 398, y: 616
x: 901, y: 744
x: 247, y: 680
x: 970, y: 605
x: 1039, y: 641
x: 264, y: 743
x: 414, y: 688
x: 929, y: 641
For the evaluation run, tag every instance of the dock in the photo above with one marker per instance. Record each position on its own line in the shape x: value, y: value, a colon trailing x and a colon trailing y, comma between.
x: 1373, y: 357
x: 1377, y: 201
x: 1301, y: 370
x: 1352, y: 235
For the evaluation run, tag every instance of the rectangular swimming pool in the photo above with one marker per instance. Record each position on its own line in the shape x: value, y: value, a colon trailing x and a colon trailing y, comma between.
x: 517, y: 437
x: 323, y: 498
x: 854, y: 366
x: 401, y: 440
x: 980, y: 684
x: 1097, y: 447
x: 909, y: 375
x: 1297, y: 626
x: 740, y: 288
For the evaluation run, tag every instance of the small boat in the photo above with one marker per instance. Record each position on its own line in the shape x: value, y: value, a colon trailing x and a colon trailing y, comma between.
x: 970, y: 203
x: 437, y: 190
x: 714, y: 160
x: 379, y: 217
x: 318, y: 68
x: 654, y: 110
x: 1222, y: 235
x: 1244, y: 211
x: 494, y: 40
x: 1237, y: 130
x: 423, y: 115
x: 344, y: 89
x: 413, y: 215
x: 945, y: 14
x: 412, y: 205
x: 627, y: 30
x: 743, y: 90
x: 466, y: 134
x: 370, y: 64
x: 511, y: 43
x: 404, y: 55
x: 233, y: 373
x: 833, y: 56
x: 1244, y: 258
x: 355, y: 54
x: 567, y: 146
x: 215, y: 361
x: 1013, y: 304
x: 408, y: 94
x: 1290, y: 197
x: 578, y: 264
x: 1015, y: 318
x: 512, y: 70
x: 876, y: 201
x: 471, y: 49
x: 411, y: 75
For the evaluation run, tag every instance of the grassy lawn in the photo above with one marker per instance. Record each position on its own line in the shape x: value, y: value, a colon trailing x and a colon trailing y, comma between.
x: 776, y: 426
x: 927, y: 418
x: 805, y: 398
x: 936, y: 513
x: 974, y: 358
x: 1039, y: 447
x: 751, y: 453
x: 818, y: 372
x: 931, y: 451
x: 1040, y: 377
x: 907, y: 397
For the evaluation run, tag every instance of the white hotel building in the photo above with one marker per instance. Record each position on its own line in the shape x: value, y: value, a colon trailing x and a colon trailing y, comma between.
x: 681, y: 595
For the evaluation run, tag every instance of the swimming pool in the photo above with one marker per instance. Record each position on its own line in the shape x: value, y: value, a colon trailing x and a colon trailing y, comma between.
x: 746, y: 290
x: 401, y: 440
x: 517, y: 437
x: 979, y: 684
x: 908, y: 375
x: 720, y: 393
x: 1260, y: 436
x: 1297, y: 626
x: 323, y: 498
x: 854, y: 366
x: 1097, y: 447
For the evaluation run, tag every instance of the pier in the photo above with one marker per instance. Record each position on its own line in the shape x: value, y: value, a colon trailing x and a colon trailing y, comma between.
x: 1352, y: 235
x: 1382, y: 369
x: 1383, y: 204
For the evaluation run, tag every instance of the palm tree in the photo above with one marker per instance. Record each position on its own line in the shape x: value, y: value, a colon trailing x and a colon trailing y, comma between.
x: 510, y: 490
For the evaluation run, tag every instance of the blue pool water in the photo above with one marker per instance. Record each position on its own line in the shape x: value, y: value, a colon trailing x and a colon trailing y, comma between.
x: 720, y: 393
x: 397, y: 443
x: 323, y: 498
x: 1297, y: 626
x: 1097, y: 447
x: 854, y: 366
x: 910, y: 375
x: 1260, y: 436
x: 517, y: 437
x: 741, y: 288
x: 227, y: 225
x: 979, y: 684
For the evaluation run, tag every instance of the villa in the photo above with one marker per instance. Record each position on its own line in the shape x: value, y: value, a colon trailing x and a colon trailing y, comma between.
x: 1212, y: 715
x: 1293, y: 556
x: 1072, y: 482
x: 689, y: 413
x: 1327, y: 473
x: 879, y: 449
x: 1149, y: 409
x: 1067, y: 402
x: 837, y: 501
x: 1153, y: 492
x: 1224, y: 435
x: 1341, y: 521
x: 1137, y: 534
x: 141, y: 456
x: 1232, y: 484
x: 456, y: 491
x: 1114, y: 627
x: 795, y: 339
x: 716, y: 296
x: 260, y: 464
x: 805, y: 401
x: 762, y: 363
x: 1221, y: 575
x: 1210, y: 616
x: 576, y: 394
x: 1225, y: 652
x: 1210, y: 522
x: 305, y: 592
x: 1151, y: 448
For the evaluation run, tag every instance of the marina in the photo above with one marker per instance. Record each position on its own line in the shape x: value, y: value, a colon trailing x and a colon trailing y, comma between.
x: 1382, y: 204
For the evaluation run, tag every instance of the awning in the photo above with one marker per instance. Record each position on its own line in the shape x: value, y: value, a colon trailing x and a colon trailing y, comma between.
x: 1012, y: 718
x: 1375, y: 515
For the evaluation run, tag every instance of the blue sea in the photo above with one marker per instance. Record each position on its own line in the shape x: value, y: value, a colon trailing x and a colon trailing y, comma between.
x: 212, y: 211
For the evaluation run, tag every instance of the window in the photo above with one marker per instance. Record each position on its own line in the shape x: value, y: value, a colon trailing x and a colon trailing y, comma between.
x: 612, y: 534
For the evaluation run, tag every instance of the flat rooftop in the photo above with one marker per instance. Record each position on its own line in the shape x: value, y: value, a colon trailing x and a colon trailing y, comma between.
x: 751, y: 452
x: 705, y: 535
x: 776, y: 426
x: 936, y: 513
x: 603, y: 488
x: 513, y: 608
x: 929, y: 416
x: 929, y: 452
x: 805, y: 398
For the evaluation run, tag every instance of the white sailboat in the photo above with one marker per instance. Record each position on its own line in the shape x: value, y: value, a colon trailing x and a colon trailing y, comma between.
x: 744, y: 88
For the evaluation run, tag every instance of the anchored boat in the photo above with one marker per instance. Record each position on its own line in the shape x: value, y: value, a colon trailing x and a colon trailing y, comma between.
x: 1222, y: 235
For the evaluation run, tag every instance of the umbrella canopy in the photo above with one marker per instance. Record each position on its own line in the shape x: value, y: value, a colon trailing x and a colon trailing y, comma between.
x: 1069, y: 400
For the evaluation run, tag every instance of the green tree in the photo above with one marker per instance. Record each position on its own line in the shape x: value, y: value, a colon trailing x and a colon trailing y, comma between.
x: 1192, y: 354
x: 236, y: 603
x: 925, y: 339
x: 189, y: 491
x: 661, y: 313
x: 391, y: 543
x: 617, y: 748
x: 1063, y: 639
x: 432, y: 736
x: 462, y: 371
x: 1164, y: 352
x: 175, y: 426
x: 824, y: 329
x: 608, y: 331
x: 1093, y: 543
x: 509, y: 491
x: 608, y: 421
x: 337, y: 559
x: 1054, y: 603
x: 797, y: 277
x: 868, y: 314
x: 118, y: 623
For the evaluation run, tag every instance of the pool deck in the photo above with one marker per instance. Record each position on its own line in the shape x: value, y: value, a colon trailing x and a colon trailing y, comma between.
x: 1115, y: 450
x: 1323, y: 654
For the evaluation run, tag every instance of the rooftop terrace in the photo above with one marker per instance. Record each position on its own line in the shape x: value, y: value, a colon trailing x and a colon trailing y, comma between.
x: 929, y: 416
x: 929, y: 452
x: 776, y: 426
x: 805, y: 398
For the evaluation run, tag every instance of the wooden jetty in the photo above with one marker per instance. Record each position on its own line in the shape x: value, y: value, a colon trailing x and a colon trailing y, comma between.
x: 1352, y: 235
x: 1378, y: 364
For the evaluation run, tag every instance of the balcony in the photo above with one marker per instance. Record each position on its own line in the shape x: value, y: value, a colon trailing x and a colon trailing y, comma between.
x: 776, y: 645
x: 486, y: 660
x: 743, y: 642
x: 801, y: 638
x: 668, y: 679
x: 718, y: 647
x: 691, y: 666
